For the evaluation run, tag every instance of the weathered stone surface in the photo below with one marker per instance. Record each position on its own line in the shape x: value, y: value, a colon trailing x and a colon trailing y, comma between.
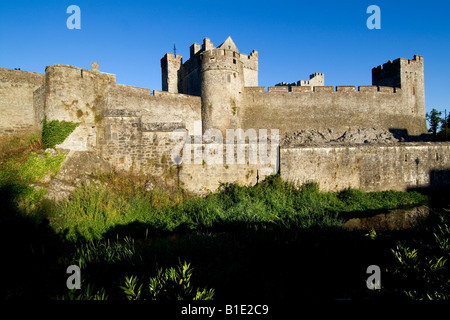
x: 339, y: 138
x: 78, y: 167
x: 59, y: 190
x: 162, y: 126
x: 333, y: 137
x: 80, y: 163
x: 17, y: 113
x: 368, y: 167
x: 120, y: 113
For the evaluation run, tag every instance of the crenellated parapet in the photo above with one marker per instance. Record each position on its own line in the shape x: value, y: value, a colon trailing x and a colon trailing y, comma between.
x: 321, y: 89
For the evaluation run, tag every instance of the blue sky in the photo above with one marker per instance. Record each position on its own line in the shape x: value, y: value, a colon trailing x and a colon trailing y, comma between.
x: 293, y: 38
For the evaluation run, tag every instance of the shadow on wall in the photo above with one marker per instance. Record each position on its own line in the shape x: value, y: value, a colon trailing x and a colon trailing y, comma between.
x: 439, y: 183
x: 403, y: 136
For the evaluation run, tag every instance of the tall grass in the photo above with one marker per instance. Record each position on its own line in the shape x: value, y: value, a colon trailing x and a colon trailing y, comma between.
x: 22, y: 163
x: 95, y: 209
x: 19, y: 145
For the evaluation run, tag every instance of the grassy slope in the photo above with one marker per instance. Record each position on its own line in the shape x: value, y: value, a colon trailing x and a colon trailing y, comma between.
x: 270, y: 240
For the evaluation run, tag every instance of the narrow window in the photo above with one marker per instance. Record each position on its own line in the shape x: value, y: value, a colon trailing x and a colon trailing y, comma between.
x: 234, y: 61
x: 228, y: 78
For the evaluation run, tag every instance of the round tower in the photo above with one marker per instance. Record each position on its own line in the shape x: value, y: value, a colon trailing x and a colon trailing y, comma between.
x: 222, y: 86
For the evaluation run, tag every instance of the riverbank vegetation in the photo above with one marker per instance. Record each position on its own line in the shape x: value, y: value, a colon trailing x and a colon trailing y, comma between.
x: 272, y: 240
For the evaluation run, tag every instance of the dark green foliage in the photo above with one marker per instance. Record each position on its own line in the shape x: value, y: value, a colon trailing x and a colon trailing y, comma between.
x: 94, y: 209
x: 353, y: 200
x: 18, y: 171
x: 271, y: 240
x: 104, y: 252
x: 168, y: 284
x: 422, y: 265
x: 175, y: 284
x: 434, y: 119
x: 439, y: 127
x: 104, y: 262
x: 55, y: 132
x: 444, y: 134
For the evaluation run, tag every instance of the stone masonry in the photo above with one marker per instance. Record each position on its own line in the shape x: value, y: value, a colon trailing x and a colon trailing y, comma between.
x: 215, y: 92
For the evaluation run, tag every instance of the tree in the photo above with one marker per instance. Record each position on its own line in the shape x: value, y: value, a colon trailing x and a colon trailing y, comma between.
x: 446, y: 123
x: 444, y: 133
x: 434, y: 120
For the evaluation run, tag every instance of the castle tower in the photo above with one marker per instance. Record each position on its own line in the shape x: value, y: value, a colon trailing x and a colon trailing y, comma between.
x: 315, y: 79
x: 170, y: 71
x: 222, y: 85
x: 74, y: 94
x: 409, y: 76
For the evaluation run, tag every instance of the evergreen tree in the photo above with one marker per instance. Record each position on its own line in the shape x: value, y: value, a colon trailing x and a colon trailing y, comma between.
x: 434, y: 120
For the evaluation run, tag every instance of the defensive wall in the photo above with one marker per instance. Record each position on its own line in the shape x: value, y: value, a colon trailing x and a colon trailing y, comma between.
x: 132, y: 129
x: 405, y: 166
x: 321, y: 107
x: 17, y: 100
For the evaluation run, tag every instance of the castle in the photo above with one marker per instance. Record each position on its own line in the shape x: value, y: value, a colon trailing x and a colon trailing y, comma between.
x: 216, y: 90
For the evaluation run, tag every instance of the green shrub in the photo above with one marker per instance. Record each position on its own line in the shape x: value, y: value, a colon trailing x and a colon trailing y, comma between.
x: 94, y: 209
x: 17, y: 173
x: 55, y: 132
x: 103, y: 252
x: 422, y: 266
x: 32, y: 169
x: 168, y: 284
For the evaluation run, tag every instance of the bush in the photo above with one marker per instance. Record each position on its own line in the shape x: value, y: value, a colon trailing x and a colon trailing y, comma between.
x: 55, y: 132
x: 94, y: 209
x: 18, y: 172
x: 422, y: 266
x: 168, y: 284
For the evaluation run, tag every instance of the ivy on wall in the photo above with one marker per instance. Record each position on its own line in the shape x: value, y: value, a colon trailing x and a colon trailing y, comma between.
x: 55, y: 132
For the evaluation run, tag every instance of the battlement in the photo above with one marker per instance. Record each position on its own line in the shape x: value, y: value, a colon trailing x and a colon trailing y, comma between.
x: 315, y: 79
x: 72, y: 72
x: 397, y: 62
x: 391, y: 73
x: 253, y: 56
x: 187, y: 77
x: 194, y: 49
x: 216, y: 53
x: 322, y: 89
x: 316, y: 74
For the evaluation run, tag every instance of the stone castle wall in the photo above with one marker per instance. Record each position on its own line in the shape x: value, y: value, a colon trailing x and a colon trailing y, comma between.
x: 403, y: 166
x: 322, y: 107
x: 133, y: 130
x: 17, y: 100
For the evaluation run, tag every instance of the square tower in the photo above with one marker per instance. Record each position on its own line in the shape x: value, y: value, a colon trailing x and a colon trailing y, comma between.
x: 170, y: 71
x: 408, y: 75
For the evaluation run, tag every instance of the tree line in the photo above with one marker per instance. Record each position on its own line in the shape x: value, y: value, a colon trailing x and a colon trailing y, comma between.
x: 439, y: 127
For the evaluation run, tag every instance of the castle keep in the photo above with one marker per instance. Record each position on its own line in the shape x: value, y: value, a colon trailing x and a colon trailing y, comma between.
x: 215, y: 90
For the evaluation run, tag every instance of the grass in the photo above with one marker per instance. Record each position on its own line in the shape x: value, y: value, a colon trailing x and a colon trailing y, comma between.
x: 94, y: 209
x: 268, y: 240
x: 23, y: 163
x: 19, y: 145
